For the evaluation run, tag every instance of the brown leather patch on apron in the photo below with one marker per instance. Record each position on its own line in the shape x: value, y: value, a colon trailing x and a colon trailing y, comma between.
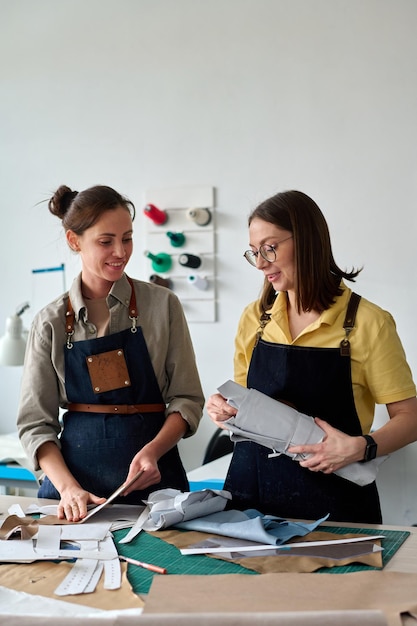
x: 108, y: 371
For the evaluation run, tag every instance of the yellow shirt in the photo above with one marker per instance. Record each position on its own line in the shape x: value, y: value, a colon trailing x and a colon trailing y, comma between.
x: 380, y: 372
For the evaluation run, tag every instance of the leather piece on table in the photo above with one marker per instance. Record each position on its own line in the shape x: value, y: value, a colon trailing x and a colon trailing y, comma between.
x: 276, y: 564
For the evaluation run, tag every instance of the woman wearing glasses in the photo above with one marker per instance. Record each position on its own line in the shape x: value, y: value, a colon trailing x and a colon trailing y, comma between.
x: 297, y: 345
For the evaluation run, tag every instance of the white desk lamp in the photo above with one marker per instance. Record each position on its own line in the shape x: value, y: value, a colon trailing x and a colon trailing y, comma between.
x: 13, y: 342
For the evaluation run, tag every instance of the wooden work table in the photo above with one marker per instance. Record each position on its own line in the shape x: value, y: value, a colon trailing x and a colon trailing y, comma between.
x: 403, y: 561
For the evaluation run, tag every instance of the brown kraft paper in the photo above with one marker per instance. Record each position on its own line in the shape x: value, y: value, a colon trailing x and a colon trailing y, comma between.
x: 391, y: 592
x: 43, y: 577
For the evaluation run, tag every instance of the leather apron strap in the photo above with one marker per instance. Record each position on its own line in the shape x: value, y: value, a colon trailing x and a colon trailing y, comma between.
x: 122, y: 409
x: 349, y: 322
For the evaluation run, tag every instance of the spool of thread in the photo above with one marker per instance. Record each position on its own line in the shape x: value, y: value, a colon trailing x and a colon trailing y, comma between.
x: 159, y: 280
x: 199, y: 282
x: 160, y: 262
x: 156, y: 215
x: 201, y: 217
x: 177, y: 239
x: 189, y: 260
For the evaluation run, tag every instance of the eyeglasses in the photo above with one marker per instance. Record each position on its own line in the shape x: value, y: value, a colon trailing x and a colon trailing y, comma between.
x: 268, y: 252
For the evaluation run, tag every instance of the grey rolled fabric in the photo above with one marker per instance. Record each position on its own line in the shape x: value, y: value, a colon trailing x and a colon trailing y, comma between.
x: 278, y: 426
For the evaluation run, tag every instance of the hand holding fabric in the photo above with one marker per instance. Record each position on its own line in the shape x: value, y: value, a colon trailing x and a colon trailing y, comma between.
x: 278, y: 426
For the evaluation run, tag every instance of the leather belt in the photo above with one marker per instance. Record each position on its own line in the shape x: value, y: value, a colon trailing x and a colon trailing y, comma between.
x: 128, y: 409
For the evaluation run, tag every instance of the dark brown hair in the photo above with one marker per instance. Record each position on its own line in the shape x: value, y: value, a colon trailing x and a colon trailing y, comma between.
x: 317, y: 277
x: 81, y: 210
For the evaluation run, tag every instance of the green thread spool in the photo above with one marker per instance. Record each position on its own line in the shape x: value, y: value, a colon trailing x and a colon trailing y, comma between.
x: 160, y: 262
x: 177, y: 239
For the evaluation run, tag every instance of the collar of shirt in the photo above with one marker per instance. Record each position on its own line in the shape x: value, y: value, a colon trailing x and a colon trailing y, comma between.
x: 120, y: 291
x: 328, y: 317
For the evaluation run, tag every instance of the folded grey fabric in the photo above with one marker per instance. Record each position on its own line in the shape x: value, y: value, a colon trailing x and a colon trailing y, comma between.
x: 204, y: 511
x: 170, y: 506
x: 278, y: 426
x: 167, y: 507
x: 251, y: 525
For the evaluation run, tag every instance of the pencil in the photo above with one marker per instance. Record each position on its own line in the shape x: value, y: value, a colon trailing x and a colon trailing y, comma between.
x: 152, y: 568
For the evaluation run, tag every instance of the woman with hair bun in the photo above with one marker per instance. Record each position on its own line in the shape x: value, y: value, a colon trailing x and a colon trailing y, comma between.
x: 115, y: 353
x: 310, y: 342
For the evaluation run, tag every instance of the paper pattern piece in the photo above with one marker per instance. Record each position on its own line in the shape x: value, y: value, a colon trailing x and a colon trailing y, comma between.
x: 82, y: 578
x: 167, y: 507
x: 40, y: 579
x: 118, y: 492
x: 360, y: 545
x: 28, y: 527
x: 55, y: 544
x: 64, y: 559
x: 119, y: 515
x: 89, y: 545
x: 278, y: 426
x: 112, y: 574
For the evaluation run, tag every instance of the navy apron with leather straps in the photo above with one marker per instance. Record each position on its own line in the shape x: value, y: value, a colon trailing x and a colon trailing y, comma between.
x: 317, y: 382
x: 115, y: 408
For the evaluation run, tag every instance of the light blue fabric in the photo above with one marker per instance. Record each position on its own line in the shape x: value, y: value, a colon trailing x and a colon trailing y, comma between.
x: 251, y: 525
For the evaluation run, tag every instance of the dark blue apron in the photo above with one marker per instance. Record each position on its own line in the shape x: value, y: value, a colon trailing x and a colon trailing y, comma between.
x: 317, y: 382
x: 98, y: 447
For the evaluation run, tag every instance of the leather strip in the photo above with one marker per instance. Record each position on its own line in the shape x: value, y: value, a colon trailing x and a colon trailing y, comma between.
x: 126, y: 409
x: 133, y: 310
x: 349, y: 322
x: 351, y: 310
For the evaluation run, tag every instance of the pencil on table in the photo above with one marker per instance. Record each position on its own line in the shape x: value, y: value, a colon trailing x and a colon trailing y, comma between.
x: 149, y: 566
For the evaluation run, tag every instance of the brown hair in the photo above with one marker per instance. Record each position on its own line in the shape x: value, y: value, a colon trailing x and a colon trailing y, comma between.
x: 81, y: 210
x: 317, y: 277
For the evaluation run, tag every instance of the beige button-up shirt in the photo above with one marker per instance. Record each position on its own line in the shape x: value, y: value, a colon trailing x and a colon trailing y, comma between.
x: 167, y: 336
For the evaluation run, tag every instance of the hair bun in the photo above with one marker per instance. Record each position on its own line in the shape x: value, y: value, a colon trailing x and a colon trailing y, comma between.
x: 61, y: 201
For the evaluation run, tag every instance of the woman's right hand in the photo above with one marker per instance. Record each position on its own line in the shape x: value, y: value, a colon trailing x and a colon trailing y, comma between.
x: 73, y: 503
x: 74, y: 499
x: 219, y: 410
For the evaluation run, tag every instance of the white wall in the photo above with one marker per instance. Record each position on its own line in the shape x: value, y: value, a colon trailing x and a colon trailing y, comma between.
x: 249, y: 96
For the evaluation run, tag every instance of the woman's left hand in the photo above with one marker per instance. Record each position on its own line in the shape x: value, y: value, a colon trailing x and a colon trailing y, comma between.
x: 336, y: 450
x: 145, y: 461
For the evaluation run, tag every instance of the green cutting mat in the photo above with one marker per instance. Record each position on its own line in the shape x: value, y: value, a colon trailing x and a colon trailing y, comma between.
x: 393, y: 539
x: 148, y: 548
x: 151, y: 549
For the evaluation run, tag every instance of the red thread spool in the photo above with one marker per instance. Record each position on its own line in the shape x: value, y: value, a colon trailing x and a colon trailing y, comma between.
x: 156, y: 215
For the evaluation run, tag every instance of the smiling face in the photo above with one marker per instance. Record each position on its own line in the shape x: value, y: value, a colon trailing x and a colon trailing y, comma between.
x: 105, y: 249
x: 281, y: 272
